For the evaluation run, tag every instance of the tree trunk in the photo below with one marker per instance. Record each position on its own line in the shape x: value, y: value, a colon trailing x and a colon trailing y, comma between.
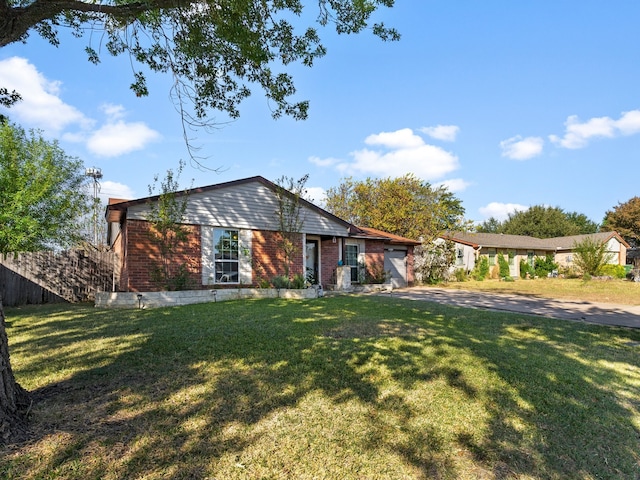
x: 14, y: 400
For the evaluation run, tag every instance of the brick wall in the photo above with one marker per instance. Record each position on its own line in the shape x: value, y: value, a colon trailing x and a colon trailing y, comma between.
x: 374, y: 254
x: 143, y: 254
x: 121, y: 247
x: 328, y: 261
x: 268, y: 260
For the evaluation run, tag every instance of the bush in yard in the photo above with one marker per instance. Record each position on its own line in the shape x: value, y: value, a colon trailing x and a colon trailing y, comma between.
x: 591, y: 255
x: 299, y: 282
x: 569, y: 272
x: 433, y: 261
x: 545, y: 265
x: 281, y: 281
x: 525, y: 269
x: 481, y: 269
x: 615, y: 271
x: 504, y: 267
x: 460, y: 275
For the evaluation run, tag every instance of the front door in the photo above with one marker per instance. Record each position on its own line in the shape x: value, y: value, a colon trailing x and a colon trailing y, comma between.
x: 311, y: 262
x: 351, y: 259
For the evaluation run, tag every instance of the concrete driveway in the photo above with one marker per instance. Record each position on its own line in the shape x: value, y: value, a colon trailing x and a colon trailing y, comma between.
x: 600, y: 313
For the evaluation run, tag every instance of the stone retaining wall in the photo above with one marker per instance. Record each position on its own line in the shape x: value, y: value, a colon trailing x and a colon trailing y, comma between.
x: 187, y: 297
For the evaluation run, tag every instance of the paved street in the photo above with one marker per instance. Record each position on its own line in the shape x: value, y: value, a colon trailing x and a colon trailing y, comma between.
x: 601, y: 313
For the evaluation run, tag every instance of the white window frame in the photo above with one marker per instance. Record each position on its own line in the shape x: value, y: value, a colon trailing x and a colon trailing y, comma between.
x: 219, y: 277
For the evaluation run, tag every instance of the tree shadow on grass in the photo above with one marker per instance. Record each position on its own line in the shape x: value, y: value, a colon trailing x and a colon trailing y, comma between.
x: 570, y: 404
x: 189, y: 392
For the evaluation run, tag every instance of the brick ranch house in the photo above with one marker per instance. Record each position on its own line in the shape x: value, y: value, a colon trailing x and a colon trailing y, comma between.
x: 470, y: 246
x: 232, y: 241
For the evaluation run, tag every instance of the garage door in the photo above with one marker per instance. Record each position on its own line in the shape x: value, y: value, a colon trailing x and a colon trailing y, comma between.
x: 394, y: 262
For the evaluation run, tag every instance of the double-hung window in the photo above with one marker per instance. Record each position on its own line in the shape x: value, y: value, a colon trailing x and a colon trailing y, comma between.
x: 226, y: 255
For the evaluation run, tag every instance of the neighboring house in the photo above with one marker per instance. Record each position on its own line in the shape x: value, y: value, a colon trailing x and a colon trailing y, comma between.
x: 470, y: 246
x: 233, y: 235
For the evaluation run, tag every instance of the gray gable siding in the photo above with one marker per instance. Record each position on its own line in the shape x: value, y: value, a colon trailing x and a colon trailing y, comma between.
x: 246, y: 206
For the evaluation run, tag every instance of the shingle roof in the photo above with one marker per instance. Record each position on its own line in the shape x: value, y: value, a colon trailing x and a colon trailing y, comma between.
x: 496, y: 240
x: 390, y: 237
x: 499, y: 240
x: 563, y: 243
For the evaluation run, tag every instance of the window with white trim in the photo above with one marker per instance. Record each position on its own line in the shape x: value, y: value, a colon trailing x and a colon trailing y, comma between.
x: 226, y: 255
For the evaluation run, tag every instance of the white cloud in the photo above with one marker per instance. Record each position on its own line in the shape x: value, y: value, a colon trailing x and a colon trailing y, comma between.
x: 109, y: 189
x: 41, y: 106
x: 629, y: 123
x: 402, y: 152
x: 445, y: 133
x: 454, y: 184
x: 578, y: 134
x: 500, y: 211
x: 112, y: 111
x: 324, y: 162
x: 518, y: 148
x: 400, y: 139
x: 117, y: 138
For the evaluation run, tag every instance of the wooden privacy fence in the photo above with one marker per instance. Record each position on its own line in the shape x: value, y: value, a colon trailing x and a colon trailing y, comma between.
x: 45, y: 277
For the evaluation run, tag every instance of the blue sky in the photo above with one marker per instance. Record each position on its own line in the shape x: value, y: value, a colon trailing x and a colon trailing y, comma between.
x: 509, y: 104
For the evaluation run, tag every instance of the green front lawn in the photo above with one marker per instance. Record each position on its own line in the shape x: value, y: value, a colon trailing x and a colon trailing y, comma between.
x: 622, y: 292
x: 334, y: 388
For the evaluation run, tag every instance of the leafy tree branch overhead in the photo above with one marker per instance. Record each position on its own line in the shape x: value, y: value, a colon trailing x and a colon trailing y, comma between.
x: 215, y: 49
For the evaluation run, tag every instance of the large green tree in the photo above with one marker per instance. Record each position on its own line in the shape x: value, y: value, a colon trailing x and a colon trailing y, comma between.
x: 43, y: 192
x: 624, y: 218
x: 42, y: 196
x: 405, y: 206
x: 542, y: 222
